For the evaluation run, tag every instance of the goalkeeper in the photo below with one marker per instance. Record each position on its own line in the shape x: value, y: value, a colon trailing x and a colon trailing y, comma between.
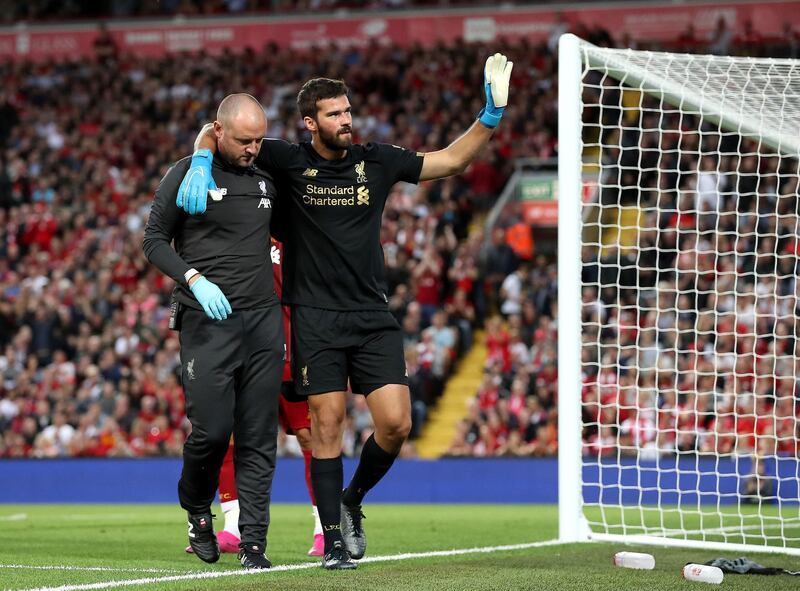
x: 334, y: 281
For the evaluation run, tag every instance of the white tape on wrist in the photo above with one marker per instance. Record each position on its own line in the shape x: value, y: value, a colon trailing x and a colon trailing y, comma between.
x: 190, y: 273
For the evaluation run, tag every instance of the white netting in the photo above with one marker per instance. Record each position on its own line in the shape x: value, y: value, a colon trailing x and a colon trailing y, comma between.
x: 691, y: 298
x: 757, y: 97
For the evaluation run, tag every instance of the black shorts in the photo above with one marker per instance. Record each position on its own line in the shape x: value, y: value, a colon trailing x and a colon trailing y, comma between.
x: 329, y: 346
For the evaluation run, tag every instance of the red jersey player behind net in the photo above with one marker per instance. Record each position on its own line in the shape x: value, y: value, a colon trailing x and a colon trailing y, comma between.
x: 295, y: 420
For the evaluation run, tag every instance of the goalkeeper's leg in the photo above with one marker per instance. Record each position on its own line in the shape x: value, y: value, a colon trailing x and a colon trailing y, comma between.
x: 390, y: 406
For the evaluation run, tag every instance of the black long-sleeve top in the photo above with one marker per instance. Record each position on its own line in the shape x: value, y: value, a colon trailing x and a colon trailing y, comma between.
x: 228, y: 244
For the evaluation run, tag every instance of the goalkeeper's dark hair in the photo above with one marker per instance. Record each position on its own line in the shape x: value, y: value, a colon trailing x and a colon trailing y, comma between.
x: 318, y: 89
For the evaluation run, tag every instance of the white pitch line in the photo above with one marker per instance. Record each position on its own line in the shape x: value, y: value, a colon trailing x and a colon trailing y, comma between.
x: 14, y: 517
x: 288, y: 567
x: 459, y: 552
x: 107, y: 569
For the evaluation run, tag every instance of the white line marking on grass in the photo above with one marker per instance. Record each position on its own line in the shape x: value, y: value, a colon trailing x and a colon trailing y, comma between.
x: 14, y: 517
x: 289, y: 567
x: 93, y: 568
x: 459, y: 552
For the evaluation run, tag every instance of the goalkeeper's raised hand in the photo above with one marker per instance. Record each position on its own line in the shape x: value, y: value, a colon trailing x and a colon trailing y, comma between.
x: 194, y: 189
x: 496, y: 77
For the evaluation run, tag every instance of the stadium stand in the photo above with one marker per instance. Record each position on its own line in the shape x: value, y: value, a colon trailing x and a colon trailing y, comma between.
x: 514, y: 411
x: 60, y: 10
x: 88, y: 366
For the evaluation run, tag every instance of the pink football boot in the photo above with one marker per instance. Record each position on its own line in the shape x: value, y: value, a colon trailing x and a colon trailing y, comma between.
x: 318, y: 547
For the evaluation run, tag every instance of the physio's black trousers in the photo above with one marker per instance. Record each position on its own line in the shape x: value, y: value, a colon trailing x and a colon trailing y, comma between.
x: 232, y: 372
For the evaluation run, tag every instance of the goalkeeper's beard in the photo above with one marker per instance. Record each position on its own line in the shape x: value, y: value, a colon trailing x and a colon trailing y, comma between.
x: 341, y: 140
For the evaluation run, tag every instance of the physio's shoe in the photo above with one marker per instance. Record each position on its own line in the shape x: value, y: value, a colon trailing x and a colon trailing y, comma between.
x: 338, y: 558
x: 228, y: 544
x: 355, y: 540
x: 252, y: 557
x: 202, y: 540
x: 318, y: 547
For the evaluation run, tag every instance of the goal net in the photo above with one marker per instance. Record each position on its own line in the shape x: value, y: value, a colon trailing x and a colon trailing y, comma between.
x: 679, y: 299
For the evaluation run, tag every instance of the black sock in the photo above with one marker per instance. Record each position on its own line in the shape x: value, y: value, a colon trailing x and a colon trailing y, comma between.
x: 326, y: 480
x: 374, y: 464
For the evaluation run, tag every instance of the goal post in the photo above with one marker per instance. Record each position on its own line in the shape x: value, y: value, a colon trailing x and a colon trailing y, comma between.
x: 679, y: 295
x: 572, y: 526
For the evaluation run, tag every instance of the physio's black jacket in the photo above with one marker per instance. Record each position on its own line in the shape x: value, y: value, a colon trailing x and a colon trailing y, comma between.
x: 330, y: 220
x: 228, y: 244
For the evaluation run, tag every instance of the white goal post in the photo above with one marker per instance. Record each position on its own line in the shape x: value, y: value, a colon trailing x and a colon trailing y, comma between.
x: 679, y: 296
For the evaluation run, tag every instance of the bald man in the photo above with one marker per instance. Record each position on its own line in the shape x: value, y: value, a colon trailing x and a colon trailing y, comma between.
x: 231, y: 329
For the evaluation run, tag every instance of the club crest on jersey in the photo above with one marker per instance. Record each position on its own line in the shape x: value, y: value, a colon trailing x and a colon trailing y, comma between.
x: 361, y: 177
x: 262, y: 185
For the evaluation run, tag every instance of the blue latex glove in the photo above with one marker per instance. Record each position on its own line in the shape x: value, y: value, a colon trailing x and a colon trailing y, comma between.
x: 193, y: 192
x: 214, y: 302
x: 496, y: 79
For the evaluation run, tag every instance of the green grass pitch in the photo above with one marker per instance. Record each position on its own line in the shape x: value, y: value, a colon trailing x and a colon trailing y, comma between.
x: 71, y: 544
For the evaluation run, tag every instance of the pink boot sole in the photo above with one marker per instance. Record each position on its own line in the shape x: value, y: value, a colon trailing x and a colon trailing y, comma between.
x: 318, y: 547
x: 228, y: 543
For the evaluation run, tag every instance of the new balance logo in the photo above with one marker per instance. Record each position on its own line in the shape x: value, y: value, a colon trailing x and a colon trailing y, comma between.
x: 265, y: 203
x: 217, y: 194
x: 190, y: 375
x: 310, y: 172
x: 363, y: 196
x: 275, y: 255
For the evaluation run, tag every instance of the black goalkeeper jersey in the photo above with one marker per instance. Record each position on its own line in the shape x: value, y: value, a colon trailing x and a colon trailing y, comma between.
x: 329, y: 220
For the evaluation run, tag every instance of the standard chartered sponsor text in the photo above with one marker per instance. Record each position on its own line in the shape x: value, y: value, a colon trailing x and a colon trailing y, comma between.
x: 329, y: 196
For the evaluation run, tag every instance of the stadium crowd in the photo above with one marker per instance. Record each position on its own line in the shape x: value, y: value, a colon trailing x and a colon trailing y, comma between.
x: 689, y: 340
x: 88, y: 365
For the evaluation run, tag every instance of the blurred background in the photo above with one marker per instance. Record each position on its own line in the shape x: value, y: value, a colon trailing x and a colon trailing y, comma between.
x: 98, y: 98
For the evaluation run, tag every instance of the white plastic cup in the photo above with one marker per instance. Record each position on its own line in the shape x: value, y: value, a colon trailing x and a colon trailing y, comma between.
x: 702, y: 573
x: 635, y: 560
